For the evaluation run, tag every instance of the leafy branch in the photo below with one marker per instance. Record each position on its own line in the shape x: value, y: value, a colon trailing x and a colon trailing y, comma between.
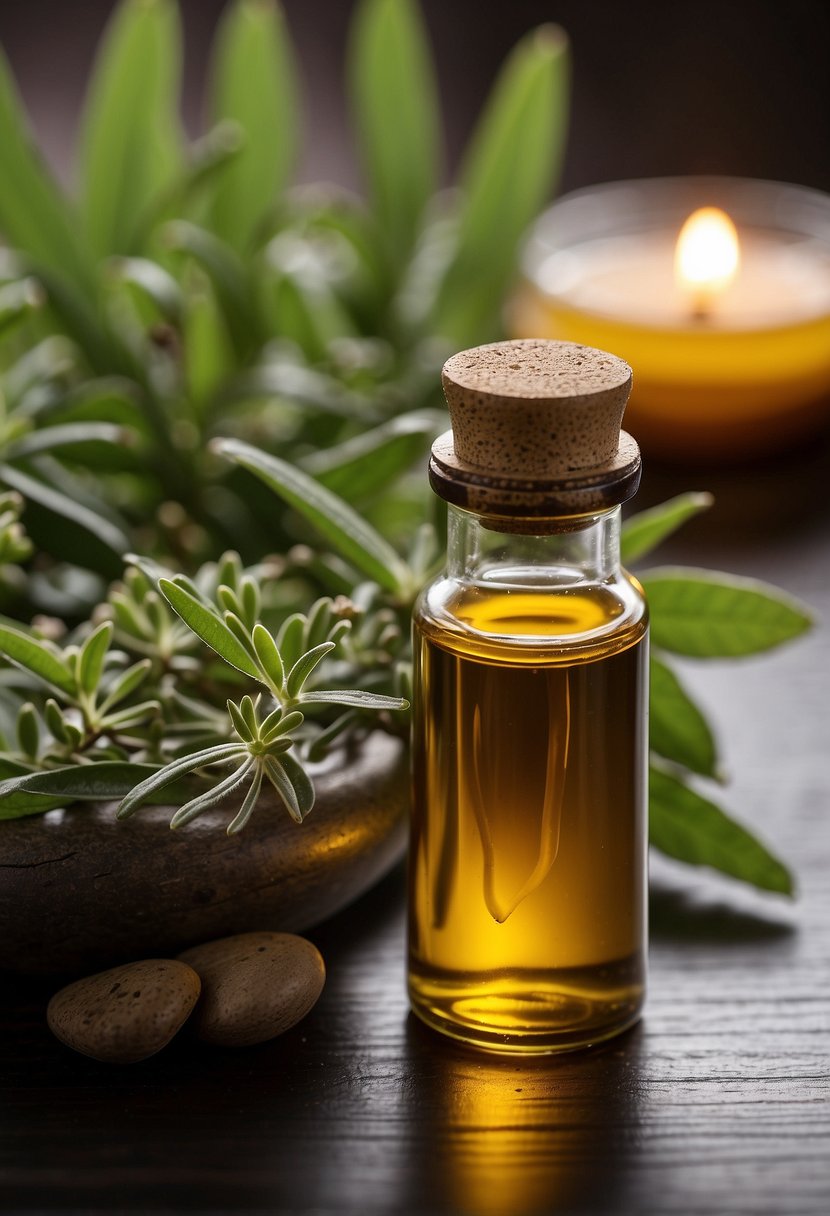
x: 94, y: 717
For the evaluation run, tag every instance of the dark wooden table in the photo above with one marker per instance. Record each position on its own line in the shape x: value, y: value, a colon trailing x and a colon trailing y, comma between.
x: 717, y: 1103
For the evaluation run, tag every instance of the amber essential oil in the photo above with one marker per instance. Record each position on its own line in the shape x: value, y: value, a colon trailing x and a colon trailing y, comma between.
x: 527, y: 901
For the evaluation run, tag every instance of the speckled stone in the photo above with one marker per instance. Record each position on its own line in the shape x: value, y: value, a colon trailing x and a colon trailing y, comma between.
x: 125, y: 1014
x: 255, y: 986
x: 536, y: 409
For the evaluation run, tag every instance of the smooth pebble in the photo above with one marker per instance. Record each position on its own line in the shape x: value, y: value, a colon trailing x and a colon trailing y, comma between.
x: 254, y: 986
x: 125, y: 1014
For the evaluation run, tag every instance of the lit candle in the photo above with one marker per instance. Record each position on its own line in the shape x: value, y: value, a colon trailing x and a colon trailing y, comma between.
x: 722, y: 311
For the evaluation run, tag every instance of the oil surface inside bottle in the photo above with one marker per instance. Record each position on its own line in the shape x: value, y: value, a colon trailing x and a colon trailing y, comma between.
x: 527, y: 866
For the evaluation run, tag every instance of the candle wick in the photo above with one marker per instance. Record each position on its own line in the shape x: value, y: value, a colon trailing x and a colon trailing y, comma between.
x: 701, y: 307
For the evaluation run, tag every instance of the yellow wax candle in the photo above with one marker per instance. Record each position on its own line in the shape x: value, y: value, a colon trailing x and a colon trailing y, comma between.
x: 728, y: 331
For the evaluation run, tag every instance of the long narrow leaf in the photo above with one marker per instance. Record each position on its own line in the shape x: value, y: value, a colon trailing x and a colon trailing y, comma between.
x: 34, y: 217
x: 354, y: 539
x: 392, y: 87
x: 221, y: 754
x: 360, y: 700
x: 38, y: 657
x: 67, y: 435
x: 304, y: 666
x: 129, y: 132
x: 208, y: 626
x: 677, y: 728
x: 644, y: 531
x: 203, y: 802
x: 709, y: 615
x: 365, y: 465
x: 229, y: 276
x: 127, y: 682
x: 67, y: 510
x: 277, y: 776
x: 268, y: 655
x: 507, y: 175
x: 684, y: 825
x: 16, y: 804
x: 91, y: 658
x: 253, y: 83
x: 249, y: 803
x: 301, y: 782
x: 81, y: 782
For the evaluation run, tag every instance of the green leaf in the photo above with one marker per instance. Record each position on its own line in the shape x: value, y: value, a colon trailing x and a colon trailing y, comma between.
x: 39, y: 657
x: 68, y: 514
x: 16, y: 805
x: 207, y: 159
x: 132, y: 715
x: 150, y: 280
x: 646, y: 530
x: 253, y: 83
x: 319, y: 622
x: 250, y: 599
x: 708, y: 615
x: 353, y: 538
x: 28, y: 730
x: 248, y: 711
x: 203, y: 802
x: 229, y: 276
x: 268, y: 656
x: 127, y: 682
x: 34, y: 217
x: 129, y: 145
x: 240, y: 632
x: 365, y: 465
x: 55, y: 721
x: 70, y: 434
x: 91, y: 658
x: 322, y: 741
x: 304, y: 666
x: 291, y: 639
x: 35, y: 793
x: 292, y: 783
x: 684, y: 825
x: 677, y: 728
x: 301, y: 782
x: 275, y: 727
x: 207, y: 350
x: 250, y: 801
x: 508, y: 173
x: 360, y: 700
x: 221, y: 754
x: 208, y: 626
x: 393, y: 94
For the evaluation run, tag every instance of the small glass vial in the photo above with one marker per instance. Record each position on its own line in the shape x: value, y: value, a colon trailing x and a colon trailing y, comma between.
x: 527, y: 915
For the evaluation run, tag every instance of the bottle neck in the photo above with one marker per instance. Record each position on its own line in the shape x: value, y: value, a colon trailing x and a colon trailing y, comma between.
x: 573, y: 550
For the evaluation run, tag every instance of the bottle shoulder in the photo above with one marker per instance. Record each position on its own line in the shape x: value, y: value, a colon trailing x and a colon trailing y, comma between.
x: 581, y: 620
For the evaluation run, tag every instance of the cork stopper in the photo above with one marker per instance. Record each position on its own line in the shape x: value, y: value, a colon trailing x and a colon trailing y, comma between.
x: 536, y: 409
x: 535, y: 429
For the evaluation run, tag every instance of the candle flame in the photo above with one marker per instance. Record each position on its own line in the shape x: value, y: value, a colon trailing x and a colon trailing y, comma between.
x: 707, y: 256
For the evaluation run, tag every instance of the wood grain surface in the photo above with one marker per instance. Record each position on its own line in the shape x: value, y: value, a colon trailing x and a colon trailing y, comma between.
x: 717, y: 1103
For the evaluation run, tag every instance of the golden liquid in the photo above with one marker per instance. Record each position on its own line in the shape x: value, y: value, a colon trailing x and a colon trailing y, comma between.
x: 527, y: 864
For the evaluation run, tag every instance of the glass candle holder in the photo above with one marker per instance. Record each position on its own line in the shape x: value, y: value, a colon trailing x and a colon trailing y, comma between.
x: 730, y: 344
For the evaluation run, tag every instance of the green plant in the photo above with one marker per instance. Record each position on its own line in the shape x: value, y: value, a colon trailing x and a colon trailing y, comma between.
x: 188, y: 291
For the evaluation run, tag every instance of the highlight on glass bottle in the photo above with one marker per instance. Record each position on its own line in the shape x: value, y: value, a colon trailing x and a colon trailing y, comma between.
x: 527, y: 922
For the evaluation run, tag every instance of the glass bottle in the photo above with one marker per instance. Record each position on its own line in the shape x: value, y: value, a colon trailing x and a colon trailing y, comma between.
x: 527, y: 917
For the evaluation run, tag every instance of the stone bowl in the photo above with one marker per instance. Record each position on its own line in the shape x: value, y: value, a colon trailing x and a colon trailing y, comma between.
x: 80, y: 891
